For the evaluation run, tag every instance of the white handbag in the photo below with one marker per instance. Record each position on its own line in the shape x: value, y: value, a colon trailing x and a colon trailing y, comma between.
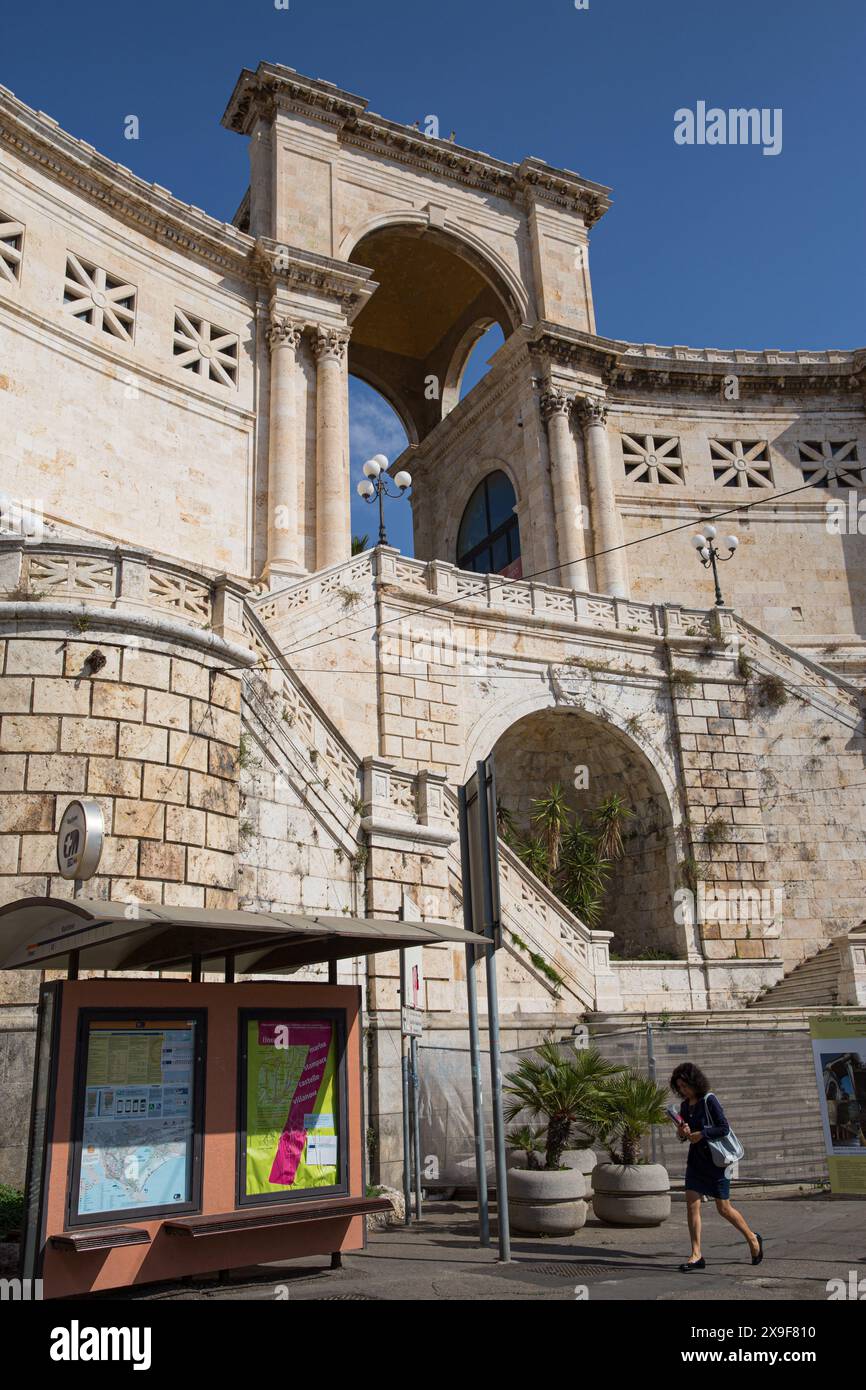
x: 727, y: 1149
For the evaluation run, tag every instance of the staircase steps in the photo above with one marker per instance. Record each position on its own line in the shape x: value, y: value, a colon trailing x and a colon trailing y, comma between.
x: 813, y: 983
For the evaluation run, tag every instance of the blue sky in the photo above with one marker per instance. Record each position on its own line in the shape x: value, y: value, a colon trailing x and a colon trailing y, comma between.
x: 706, y: 246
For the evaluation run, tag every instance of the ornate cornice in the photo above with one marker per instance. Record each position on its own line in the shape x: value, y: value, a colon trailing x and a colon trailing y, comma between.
x: 647, y: 370
x: 38, y: 140
x: 348, y: 286
x: 272, y: 88
x: 552, y: 345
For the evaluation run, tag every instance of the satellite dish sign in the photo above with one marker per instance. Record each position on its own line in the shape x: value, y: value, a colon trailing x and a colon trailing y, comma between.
x: 79, y: 839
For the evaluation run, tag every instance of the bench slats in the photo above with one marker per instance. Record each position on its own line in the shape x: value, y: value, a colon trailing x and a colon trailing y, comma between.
x: 82, y: 1242
x: 262, y: 1218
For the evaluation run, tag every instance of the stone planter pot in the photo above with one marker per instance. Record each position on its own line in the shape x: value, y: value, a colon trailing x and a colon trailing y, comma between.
x: 546, y: 1203
x: 636, y: 1195
x: 584, y: 1160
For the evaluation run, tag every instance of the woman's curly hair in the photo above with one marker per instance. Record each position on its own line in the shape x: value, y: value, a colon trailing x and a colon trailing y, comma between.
x: 692, y: 1076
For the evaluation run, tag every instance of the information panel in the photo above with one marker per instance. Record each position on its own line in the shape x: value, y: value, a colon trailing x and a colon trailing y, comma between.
x: 138, y: 1125
x: 291, y: 1116
x: 839, y: 1050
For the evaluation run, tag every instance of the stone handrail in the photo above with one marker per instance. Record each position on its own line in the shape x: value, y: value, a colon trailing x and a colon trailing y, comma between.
x: 320, y: 740
x: 844, y: 696
x: 446, y: 584
x: 541, y: 919
x: 90, y: 572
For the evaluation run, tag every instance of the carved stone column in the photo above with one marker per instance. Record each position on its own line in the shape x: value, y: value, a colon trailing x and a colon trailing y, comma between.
x: 565, y: 478
x: 285, y: 521
x: 610, y: 563
x: 333, y: 528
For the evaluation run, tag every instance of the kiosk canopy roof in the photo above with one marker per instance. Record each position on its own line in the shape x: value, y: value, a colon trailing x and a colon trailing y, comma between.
x: 43, y: 933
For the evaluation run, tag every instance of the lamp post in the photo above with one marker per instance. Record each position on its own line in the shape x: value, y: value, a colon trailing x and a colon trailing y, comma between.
x: 709, y: 555
x: 374, y: 487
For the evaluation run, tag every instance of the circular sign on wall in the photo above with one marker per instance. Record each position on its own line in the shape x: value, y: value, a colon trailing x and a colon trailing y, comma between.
x: 79, y: 839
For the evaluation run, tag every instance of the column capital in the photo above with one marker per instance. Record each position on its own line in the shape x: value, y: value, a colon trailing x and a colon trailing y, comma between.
x: 555, y: 401
x: 331, y: 343
x: 592, y: 410
x: 284, y: 332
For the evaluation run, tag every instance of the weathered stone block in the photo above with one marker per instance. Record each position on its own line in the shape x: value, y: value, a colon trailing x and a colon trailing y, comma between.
x: 145, y: 819
x: 117, y: 701
x: 33, y: 733
x: 171, y: 711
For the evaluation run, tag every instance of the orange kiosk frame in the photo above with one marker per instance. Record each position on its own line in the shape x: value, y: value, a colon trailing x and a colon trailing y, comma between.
x: 109, y: 1044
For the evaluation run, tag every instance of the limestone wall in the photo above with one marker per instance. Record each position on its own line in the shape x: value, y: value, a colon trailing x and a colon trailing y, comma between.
x: 135, y: 425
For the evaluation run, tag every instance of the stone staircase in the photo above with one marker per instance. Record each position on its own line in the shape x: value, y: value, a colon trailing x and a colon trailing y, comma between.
x: 763, y: 1073
x: 814, y: 983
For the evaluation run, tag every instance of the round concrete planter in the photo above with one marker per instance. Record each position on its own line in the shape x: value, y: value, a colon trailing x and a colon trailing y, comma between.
x: 584, y: 1160
x: 546, y: 1203
x: 637, y: 1195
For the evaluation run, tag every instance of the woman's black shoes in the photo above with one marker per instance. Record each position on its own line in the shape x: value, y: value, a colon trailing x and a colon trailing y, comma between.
x: 693, y: 1264
x: 756, y: 1259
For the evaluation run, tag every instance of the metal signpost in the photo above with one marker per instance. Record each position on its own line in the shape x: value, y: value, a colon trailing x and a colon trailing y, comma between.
x: 481, y: 913
x: 411, y: 1000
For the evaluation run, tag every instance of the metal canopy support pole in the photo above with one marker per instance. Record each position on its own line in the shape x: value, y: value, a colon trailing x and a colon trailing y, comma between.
x: 404, y: 1065
x: 484, y: 777
x: 474, y: 1039
x: 332, y: 972
x: 416, y: 1122
x: 651, y: 1069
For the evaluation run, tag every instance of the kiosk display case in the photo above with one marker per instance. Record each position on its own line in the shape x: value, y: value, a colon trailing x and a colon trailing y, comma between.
x: 181, y: 1127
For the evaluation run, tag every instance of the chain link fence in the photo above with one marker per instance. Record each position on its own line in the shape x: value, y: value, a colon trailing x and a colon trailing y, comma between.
x: 764, y: 1077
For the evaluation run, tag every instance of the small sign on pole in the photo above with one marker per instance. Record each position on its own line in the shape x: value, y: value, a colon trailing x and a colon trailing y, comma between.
x: 410, y: 1023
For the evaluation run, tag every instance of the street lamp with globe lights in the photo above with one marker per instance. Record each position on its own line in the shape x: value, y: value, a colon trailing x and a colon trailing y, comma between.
x: 374, y: 487
x: 709, y: 555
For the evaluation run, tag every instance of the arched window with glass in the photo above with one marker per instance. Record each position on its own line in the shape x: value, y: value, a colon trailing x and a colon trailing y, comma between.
x: 489, y: 537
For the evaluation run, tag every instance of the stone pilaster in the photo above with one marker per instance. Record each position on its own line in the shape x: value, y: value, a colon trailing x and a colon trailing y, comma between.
x: 285, y: 523
x: 556, y: 406
x: 610, y: 563
x: 333, y: 530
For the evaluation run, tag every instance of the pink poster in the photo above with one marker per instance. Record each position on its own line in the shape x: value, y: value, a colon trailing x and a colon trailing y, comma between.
x: 317, y: 1038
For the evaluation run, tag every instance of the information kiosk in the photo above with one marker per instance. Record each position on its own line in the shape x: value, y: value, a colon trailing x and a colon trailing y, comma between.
x: 181, y: 1125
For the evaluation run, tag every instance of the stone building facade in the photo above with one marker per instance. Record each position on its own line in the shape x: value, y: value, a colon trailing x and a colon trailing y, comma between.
x: 269, y: 721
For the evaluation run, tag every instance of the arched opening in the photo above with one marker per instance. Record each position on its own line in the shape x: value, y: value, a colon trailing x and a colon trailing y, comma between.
x: 593, y: 762
x: 436, y: 295
x: 488, y: 540
x: 375, y: 428
x: 477, y: 364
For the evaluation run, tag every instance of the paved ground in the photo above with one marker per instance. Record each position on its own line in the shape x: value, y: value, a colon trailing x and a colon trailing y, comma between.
x: 810, y: 1240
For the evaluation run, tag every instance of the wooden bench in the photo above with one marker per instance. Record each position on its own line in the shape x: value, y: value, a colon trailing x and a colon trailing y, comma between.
x: 108, y: 1238
x: 264, y: 1218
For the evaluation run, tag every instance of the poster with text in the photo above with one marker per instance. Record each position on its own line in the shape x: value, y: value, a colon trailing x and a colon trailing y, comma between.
x: 839, y: 1050
x: 292, y: 1132
x: 137, y: 1133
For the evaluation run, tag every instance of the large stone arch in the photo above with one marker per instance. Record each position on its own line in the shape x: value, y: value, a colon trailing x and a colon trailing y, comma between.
x: 437, y: 289
x: 538, y: 737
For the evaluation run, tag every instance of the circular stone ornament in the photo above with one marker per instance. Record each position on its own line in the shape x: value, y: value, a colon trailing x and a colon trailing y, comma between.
x: 80, y: 839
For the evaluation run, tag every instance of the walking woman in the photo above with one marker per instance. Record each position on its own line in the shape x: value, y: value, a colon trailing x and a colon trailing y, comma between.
x: 702, y: 1118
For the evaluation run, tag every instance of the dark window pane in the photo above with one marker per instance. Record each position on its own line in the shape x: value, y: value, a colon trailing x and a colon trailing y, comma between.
x: 501, y: 499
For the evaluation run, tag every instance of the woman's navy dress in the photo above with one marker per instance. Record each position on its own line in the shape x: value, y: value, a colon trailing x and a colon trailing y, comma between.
x: 703, y: 1174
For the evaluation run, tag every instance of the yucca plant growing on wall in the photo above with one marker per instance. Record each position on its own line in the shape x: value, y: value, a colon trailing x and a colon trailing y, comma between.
x: 552, y: 815
x: 609, y: 819
x: 571, y: 858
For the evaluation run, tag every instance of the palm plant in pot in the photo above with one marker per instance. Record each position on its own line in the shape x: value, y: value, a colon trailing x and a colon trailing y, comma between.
x: 627, y: 1190
x: 559, y: 1085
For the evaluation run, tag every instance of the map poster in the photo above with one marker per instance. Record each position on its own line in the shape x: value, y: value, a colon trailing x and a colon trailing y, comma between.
x: 138, y: 1121
x: 839, y: 1050
x: 291, y: 1106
